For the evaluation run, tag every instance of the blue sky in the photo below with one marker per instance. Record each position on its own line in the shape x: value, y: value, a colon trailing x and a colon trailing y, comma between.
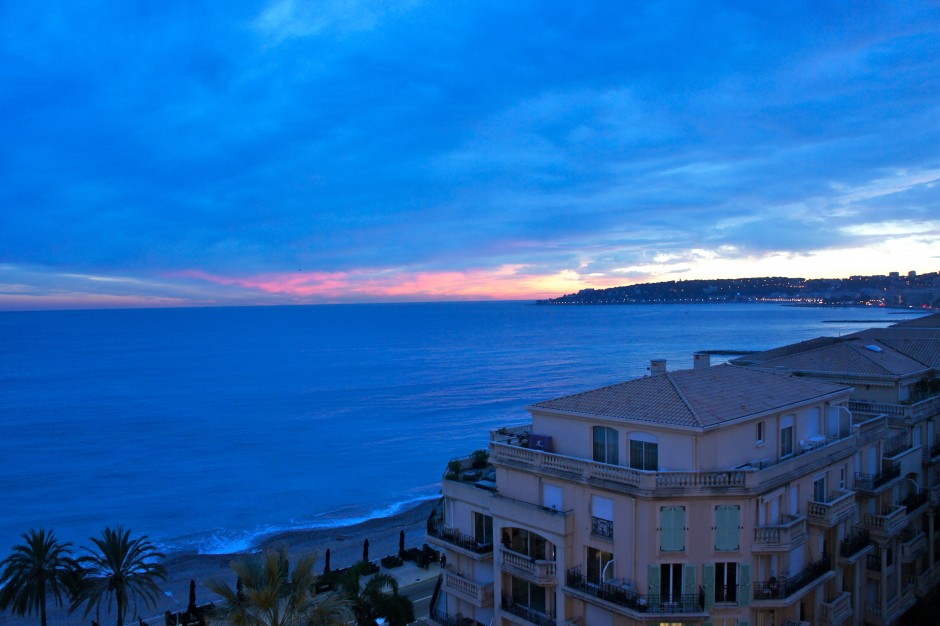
x: 180, y: 153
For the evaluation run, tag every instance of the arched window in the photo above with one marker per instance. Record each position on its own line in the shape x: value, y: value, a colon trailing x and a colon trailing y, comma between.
x: 644, y: 452
x: 606, y: 445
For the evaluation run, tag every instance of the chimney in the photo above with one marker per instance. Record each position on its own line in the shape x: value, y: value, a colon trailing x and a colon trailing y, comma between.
x: 657, y: 367
x: 701, y: 360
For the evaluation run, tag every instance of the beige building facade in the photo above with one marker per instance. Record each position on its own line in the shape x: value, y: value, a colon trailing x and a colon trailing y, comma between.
x: 752, y: 494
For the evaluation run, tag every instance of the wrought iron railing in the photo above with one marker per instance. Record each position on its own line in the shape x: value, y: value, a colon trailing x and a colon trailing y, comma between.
x: 788, y: 585
x: 915, y: 499
x: 668, y: 603
x: 854, y: 542
x: 870, y: 482
x: 602, y: 527
x: 528, y: 613
x: 459, y: 539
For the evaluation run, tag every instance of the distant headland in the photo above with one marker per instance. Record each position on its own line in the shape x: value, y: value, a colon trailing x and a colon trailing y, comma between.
x: 894, y: 289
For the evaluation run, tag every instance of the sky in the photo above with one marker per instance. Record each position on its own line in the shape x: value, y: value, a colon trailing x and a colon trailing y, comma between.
x: 285, y: 152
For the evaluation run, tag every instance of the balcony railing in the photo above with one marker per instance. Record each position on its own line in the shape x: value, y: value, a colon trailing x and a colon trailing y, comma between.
x: 892, y: 520
x: 480, y: 594
x: 839, y: 506
x: 534, y: 569
x: 753, y: 475
x: 602, y: 528
x: 658, y: 604
x: 443, y: 619
x: 908, y: 412
x: 786, y: 586
x: 873, y: 482
x: 837, y: 610
x: 896, y: 445
x: 459, y: 539
x: 915, y: 500
x: 855, y: 542
x: 528, y: 613
x: 873, y: 562
x: 932, y: 453
x: 913, y: 545
x: 782, y: 537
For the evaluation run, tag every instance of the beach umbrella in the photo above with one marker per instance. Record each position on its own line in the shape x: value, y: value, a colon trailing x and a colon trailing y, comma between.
x: 192, y: 596
x: 365, y: 550
x: 401, y: 543
x: 326, y: 567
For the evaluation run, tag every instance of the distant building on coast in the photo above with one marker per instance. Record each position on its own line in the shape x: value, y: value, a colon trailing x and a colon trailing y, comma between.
x: 795, y: 486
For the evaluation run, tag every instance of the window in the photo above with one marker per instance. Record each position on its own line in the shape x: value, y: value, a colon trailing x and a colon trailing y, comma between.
x: 727, y: 527
x: 530, y: 544
x: 605, y: 445
x: 819, y: 489
x: 551, y: 497
x: 842, y: 472
x: 760, y: 433
x: 529, y: 595
x: 599, y: 565
x: 726, y: 582
x: 482, y: 528
x: 786, y: 439
x: 670, y: 582
x: 602, y: 517
x: 672, y: 529
x: 644, y: 452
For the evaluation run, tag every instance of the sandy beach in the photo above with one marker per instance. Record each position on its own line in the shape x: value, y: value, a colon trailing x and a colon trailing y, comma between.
x: 345, y: 545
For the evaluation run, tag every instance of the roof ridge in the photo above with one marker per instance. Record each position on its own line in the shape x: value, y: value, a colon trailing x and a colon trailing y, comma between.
x: 685, y: 400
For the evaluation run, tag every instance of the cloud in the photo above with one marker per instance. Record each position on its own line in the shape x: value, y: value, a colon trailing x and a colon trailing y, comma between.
x: 431, y: 143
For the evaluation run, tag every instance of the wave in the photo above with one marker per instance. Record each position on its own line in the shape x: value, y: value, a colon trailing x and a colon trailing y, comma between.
x: 228, y: 541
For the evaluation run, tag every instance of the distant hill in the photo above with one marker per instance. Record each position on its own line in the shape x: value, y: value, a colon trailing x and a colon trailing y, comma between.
x: 890, y: 290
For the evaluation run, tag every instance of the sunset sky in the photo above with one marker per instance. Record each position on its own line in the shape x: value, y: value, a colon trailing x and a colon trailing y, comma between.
x: 228, y: 153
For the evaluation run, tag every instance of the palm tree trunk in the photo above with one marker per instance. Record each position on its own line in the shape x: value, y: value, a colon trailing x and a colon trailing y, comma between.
x: 42, y: 602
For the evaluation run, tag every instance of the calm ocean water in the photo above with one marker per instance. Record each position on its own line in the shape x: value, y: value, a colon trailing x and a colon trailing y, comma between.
x: 206, y: 428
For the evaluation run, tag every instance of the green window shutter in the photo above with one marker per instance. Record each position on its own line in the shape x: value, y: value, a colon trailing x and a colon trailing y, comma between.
x: 743, y: 622
x: 672, y: 531
x: 689, y: 584
x: 708, y: 582
x: 744, y: 585
x: 727, y: 528
x: 680, y: 528
x: 652, y: 585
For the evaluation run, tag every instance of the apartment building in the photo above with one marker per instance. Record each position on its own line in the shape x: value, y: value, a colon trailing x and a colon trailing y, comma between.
x: 769, y: 492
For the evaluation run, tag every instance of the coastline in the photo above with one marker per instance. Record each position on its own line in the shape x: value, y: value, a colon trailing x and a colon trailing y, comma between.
x: 344, y: 542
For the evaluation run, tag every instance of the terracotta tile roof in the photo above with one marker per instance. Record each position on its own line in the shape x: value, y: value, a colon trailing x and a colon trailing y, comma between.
x: 856, y: 356
x: 698, y: 397
x: 926, y: 321
x: 791, y: 348
x: 921, y: 344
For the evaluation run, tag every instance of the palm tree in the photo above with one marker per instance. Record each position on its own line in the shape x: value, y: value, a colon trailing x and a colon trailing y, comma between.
x: 378, y: 598
x: 120, y: 570
x: 269, y: 594
x: 35, y: 571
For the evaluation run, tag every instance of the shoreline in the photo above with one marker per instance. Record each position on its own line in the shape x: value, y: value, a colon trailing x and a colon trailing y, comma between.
x: 344, y: 542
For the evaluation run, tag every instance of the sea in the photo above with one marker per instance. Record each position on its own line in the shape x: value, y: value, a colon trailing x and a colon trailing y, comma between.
x: 208, y: 429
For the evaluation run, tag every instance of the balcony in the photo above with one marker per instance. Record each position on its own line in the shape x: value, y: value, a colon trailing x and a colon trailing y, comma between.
x: 839, y: 507
x: 528, y: 614
x: 534, y: 570
x: 837, y: 610
x: 782, y: 538
x: 750, y: 478
x: 787, y: 587
x: 892, y: 520
x: 630, y: 603
x: 440, y: 618
x: 453, y: 538
x: 478, y: 594
x: 603, y: 528
x: 854, y: 544
x: 915, y: 503
x: 932, y: 453
x: 893, y: 609
x: 913, y: 545
x: 898, y: 413
x: 874, y: 484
